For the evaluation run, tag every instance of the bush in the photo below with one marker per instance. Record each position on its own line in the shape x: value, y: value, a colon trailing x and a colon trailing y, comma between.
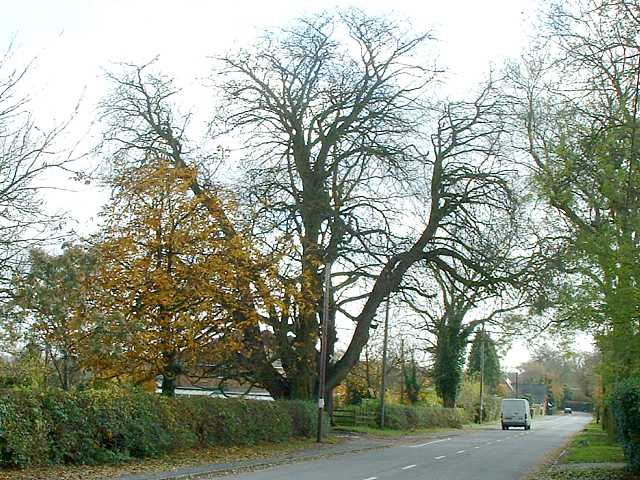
x: 625, y: 405
x: 468, y: 398
x: 403, y: 417
x: 97, y: 426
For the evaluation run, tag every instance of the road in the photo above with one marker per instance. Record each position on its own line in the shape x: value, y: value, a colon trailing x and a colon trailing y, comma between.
x: 487, y: 454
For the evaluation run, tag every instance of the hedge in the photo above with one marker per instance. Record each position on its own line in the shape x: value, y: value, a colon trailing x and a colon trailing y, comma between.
x: 404, y: 417
x: 625, y: 405
x: 97, y: 426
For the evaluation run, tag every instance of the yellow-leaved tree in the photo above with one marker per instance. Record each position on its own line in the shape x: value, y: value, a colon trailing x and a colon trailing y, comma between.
x: 170, y: 279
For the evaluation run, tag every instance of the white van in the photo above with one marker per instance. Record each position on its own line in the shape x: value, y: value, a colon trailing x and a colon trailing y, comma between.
x: 515, y: 413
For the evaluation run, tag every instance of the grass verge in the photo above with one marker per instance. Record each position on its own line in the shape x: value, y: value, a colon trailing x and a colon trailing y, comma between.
x: 390, y: 432
x: 587, y: 474
x: 593, y: 446
x: 588, y: 456
x: 186, y: 458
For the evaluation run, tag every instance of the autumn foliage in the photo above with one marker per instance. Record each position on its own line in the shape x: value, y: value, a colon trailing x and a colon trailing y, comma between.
x: 171, y: 282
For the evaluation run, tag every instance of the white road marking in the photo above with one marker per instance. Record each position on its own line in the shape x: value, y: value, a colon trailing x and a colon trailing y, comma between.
x: 498, y: 441
x: 489, y: 443
x: 408, y: 467
x: 440, y: 457
x: 476, y: 447
x: 429, y: 443
x: 460, y: 451
x: 371, y: 478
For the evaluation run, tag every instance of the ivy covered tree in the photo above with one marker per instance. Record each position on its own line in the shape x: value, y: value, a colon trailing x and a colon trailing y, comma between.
x: 492, y: 373
x: 412, y: 381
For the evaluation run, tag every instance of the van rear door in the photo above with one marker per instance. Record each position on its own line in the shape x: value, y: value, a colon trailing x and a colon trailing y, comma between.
x: 513, y: 411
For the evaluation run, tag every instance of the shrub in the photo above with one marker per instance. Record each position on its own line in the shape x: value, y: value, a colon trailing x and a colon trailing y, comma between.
x: 403, y: 417
x: 217, y: 421
x: 625, y: 405
x: 304, y: 417
x: 468, y: 398
x: 97, y: 426
x: 23, y: 431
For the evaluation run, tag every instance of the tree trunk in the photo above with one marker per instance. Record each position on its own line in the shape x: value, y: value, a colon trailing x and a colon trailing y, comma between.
x: 449, y: 400
x: 170, y: 375
x: 168, y: 384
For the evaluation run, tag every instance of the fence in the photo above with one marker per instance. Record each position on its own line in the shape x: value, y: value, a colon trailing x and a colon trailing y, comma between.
x: 355, y: 417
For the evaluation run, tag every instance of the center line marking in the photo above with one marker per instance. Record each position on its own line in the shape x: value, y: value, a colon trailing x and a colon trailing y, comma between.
x: 460, y: 451
x: 408, y: 467
x: 440, y: 457
x: 476, y: 447
x: 371, y: 478
x: 429, y: 443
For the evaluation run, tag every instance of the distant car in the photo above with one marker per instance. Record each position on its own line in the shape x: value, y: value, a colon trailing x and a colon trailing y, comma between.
x: 515, y: 413
x: 568, y: 410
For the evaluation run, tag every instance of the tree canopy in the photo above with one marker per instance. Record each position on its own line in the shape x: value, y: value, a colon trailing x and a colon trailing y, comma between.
x: 171, y: 282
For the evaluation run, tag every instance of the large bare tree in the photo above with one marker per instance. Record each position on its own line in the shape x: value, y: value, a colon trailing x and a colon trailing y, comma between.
x: 349, y: 162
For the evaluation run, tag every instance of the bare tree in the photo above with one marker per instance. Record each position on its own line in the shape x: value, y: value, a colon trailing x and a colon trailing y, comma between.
x: 26, y: 152
x: 339, y: 163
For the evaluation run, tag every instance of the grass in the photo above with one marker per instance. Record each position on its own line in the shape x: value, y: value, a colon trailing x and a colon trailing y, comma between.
x: 591, y: 474
x: 389, y: 432
x: 593, y: 446
x: 187, y: 458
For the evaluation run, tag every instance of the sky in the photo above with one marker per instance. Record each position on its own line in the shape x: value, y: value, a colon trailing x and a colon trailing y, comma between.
x: 75, y: 41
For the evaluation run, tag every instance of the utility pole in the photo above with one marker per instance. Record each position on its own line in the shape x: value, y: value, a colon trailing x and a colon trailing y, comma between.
x: 517, y: 395
x: 323, y: 348
x: 402, y: 370
x: 385, y: 341
x: 482, y: 338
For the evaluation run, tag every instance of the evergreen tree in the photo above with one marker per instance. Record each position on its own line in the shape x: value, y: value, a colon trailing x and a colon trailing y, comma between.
x: 492, y: 373
x: 413, y: 382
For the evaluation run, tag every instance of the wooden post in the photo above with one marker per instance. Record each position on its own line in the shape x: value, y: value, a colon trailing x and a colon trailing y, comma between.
x: 383, y: 387
x: 323, y: 348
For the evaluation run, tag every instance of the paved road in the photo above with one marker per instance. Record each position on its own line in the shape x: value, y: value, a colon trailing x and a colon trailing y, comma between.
x: 488, y: 454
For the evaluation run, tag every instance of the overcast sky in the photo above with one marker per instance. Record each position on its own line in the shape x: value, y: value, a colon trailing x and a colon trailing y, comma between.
x: 75, y: 40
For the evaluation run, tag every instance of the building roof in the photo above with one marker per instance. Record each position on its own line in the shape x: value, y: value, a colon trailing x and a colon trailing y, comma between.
x: 536, y: 391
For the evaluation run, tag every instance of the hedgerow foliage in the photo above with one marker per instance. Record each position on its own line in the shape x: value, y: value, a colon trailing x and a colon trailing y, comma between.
x: 625, y: 404
x: 96, y: 426
x: 404, y: 417
x: 408, y: 417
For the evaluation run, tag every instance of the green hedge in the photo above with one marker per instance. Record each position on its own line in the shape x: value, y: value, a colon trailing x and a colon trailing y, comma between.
x: 404, y: 417
x: 96, y: 426
x: 625, y: 405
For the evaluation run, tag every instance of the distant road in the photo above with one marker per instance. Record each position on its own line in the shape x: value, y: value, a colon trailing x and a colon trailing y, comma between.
x: 487, y: 454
